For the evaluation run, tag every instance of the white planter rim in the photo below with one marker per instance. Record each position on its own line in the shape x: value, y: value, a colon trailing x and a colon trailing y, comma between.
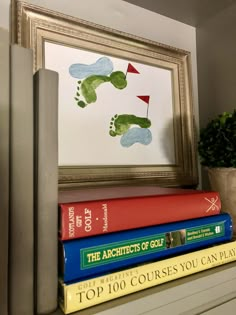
x: 220, y: 169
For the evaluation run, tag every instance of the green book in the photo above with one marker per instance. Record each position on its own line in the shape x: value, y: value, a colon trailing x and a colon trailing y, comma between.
x: 4, y: 166
x: 21, y: 249
x: 46, y: 188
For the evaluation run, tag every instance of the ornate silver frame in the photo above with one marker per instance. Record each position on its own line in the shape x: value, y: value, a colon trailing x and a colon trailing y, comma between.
x: 35, y: 25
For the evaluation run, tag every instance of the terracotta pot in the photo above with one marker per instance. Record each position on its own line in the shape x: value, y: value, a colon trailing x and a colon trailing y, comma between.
x: 223, y: 180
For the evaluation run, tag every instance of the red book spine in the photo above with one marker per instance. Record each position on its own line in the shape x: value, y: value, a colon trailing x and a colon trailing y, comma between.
x: 87, y: 218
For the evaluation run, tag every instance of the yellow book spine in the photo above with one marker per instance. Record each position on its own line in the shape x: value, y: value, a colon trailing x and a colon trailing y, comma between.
x: 81, y: 295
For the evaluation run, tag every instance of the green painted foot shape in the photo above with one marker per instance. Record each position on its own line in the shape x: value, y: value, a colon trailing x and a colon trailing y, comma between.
x: 120, y: 124
x: 87, y: 87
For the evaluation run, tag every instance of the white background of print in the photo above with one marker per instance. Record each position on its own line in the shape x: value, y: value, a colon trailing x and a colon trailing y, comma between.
x: 84, y: 132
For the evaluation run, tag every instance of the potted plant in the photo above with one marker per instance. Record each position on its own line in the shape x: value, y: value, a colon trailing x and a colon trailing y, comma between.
x: 217, y: 151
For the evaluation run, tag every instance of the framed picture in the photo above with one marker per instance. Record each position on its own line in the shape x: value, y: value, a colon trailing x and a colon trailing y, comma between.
x: 125, y: 103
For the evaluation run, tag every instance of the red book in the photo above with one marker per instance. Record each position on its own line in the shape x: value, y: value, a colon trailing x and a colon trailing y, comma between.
x: 88, y: 212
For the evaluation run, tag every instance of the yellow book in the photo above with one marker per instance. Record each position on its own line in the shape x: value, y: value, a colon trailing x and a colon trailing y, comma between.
x: 83, y: 294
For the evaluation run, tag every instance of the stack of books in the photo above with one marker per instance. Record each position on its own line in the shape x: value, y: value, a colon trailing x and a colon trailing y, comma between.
x: 116, y: 241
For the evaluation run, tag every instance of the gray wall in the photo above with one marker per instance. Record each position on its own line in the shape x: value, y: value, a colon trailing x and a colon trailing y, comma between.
x: 216, y: 58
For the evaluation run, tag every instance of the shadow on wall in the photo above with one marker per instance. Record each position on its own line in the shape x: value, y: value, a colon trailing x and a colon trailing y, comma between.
x: 216, y: 50
x: 184, y: 130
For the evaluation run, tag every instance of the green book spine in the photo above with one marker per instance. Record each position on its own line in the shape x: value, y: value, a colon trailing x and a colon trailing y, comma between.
x: 4, y: 167
x: 21, y: 249
x: 46, y: 188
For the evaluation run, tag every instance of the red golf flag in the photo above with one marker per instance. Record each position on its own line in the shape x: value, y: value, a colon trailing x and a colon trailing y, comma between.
x: 131, y: 69
x: 144, y: 98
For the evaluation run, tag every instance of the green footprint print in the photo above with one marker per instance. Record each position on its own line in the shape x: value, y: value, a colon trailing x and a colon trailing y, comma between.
x: 120, y: 124
x: 88, y: 86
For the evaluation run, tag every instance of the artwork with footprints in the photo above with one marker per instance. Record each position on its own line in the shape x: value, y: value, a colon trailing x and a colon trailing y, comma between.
x: 112, y: 111
x: 90, y: 77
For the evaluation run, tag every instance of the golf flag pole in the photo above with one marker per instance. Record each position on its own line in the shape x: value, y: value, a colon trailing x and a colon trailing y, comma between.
x: 146, y: 99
